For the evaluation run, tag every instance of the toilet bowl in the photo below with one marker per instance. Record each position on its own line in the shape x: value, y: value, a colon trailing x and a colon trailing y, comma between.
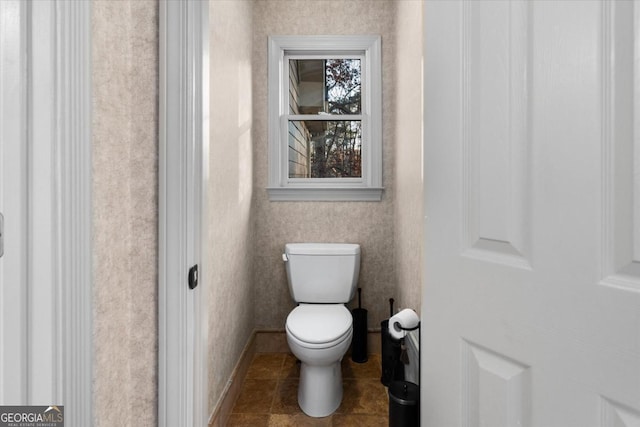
x: 322, y: 278
x: 319, y: 335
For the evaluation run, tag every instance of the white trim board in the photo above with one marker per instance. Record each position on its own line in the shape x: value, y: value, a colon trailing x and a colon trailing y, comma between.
x: 55, y: 113
x: 182, y: 341
x: 74, y: 171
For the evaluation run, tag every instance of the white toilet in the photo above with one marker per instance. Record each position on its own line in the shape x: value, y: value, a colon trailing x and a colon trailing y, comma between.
x: 322, y: 278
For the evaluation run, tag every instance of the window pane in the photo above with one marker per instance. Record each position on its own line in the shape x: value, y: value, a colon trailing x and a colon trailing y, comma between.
x: 325, y: 149
x: 330, y: 86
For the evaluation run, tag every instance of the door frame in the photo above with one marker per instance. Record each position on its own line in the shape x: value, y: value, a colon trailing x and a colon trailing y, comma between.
x: 183, y: 176
x: 56, y: 88
x: 73, y: 167
x: 72, y: 206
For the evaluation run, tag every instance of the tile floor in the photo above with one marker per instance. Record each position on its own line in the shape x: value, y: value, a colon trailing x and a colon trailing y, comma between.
x: 269, y: 395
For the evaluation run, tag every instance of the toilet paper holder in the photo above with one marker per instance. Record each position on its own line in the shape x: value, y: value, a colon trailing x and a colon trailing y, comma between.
x: 398, y: 327
x: 403, y: 321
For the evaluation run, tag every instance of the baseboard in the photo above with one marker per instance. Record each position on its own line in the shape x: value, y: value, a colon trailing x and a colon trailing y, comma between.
x: 223, y: 409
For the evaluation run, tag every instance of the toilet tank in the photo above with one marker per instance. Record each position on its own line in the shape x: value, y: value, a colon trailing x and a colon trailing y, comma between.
x: 322, y: 272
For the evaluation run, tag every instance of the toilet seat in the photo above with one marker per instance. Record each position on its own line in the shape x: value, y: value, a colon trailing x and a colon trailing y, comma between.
x: 319, y: 325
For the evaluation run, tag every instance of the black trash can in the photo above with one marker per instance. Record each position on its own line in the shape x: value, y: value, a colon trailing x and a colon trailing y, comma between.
x: 404, y: 404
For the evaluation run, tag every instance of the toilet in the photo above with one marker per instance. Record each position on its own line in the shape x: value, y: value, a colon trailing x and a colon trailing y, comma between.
x: 322, y: 278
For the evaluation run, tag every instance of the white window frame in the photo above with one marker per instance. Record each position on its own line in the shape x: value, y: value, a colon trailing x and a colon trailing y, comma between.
x: 369, y: 186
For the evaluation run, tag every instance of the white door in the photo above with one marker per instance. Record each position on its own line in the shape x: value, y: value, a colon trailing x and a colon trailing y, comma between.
x: 531, y: 301
x: 30, y: 349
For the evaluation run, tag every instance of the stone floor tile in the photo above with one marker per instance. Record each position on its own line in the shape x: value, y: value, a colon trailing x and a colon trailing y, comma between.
x: 286, y: 398
x: 256, y: 396
x: 371, y: 369
x: 359, y: 420
x: 266, y: 366
x: 248, y: 420
x: 298, y: 420
x: 364, y: 396
x: 290, y: 367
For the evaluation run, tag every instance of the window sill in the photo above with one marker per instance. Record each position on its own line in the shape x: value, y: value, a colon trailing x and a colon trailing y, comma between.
x: 342, y: 194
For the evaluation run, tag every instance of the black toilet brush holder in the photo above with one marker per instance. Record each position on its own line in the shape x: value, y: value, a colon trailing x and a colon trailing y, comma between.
x: 359, y: 341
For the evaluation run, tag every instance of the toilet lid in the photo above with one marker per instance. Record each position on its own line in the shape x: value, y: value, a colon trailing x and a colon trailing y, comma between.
x: 319, y: 323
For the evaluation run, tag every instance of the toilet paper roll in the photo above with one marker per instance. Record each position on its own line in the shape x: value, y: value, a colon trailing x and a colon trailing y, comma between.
x: 407, y: 319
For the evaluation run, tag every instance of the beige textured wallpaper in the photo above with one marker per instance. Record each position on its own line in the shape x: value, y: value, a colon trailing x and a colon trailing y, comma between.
x: 368, y: 223
x: 125, y: 97
x: 247, y: 233
x: 408, y: 204
x: 231, y: 294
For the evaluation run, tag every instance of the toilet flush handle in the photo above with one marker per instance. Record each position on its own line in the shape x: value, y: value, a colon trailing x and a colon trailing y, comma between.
x: 285, y: 258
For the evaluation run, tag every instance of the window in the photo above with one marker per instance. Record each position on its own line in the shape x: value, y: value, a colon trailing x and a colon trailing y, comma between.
x: 325, y: 118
